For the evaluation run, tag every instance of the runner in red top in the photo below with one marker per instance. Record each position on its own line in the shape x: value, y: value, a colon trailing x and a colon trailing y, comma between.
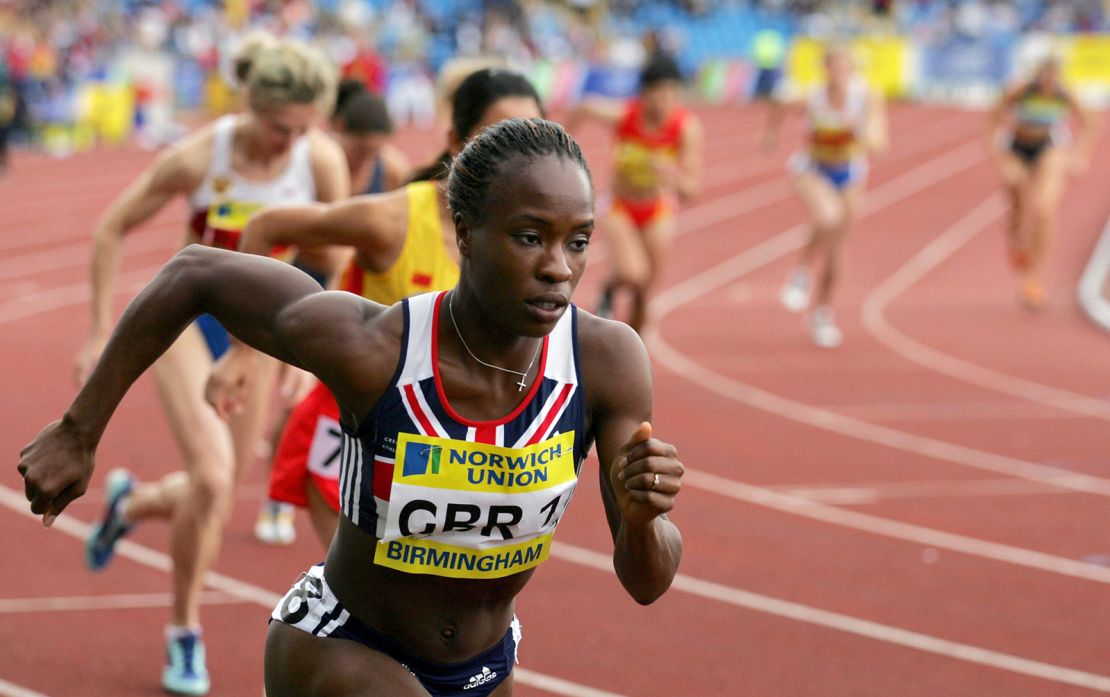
x: 658, y: 154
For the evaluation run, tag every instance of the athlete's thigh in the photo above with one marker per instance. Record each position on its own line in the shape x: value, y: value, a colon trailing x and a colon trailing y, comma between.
x: 1047, y: 184
x: 1012, y: 170
x: 626, y: 246
x: 301, y: 665
x: 820, y: 198
x: 657, y: 239
x: 180, y: 375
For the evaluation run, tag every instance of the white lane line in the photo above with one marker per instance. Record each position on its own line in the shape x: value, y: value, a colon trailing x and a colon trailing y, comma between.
x: 10, y: 689
x: 121, y: 601
x: 557, y: 686
x: 952, y: 411
x: 841, y: 495
x: 40, y: 302
x: 1092, y: 283
x: 241, y: 590
x: 73, y: 255
x: 928, y: 259
x: 876, y: 525
x: 853, y: 625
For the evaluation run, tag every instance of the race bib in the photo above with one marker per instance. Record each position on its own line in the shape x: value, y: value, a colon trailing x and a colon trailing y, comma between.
x: 327, y: 446
x: 471, y: 510
x: 225, y: 223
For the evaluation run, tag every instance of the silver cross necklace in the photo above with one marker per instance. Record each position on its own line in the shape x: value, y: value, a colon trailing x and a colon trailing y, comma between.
x: 523, y: 376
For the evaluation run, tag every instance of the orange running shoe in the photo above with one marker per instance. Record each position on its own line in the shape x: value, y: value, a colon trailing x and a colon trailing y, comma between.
x: 1032, y: 293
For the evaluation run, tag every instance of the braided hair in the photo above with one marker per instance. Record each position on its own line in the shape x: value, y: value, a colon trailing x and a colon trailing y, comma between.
x: 474, y: 170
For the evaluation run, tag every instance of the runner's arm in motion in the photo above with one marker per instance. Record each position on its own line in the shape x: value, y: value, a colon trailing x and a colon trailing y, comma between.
x: 369, y: 223
x: 1000, y: 117
x: 778, y: 108
x: 647, y: 545
x: 691, y: 154
x: 877, y: 136
x: 265, y: 303
x: 177, y: 171
x: 605, y: 111
x: 1084, y: 138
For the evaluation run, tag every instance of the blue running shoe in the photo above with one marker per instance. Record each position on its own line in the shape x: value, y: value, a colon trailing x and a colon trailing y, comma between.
x: 100, y: 546
x: 185, y: 672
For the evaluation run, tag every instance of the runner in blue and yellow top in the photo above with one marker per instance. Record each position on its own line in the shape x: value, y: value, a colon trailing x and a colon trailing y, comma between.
x: 846, y: 121
x: 227, y: 170
x: 466, y: 418
x: 657, y: 161
x: 1028, y: 137
x: 404, y: 244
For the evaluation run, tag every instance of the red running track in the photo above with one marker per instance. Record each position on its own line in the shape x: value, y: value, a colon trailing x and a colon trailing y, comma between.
x: 921, y: 512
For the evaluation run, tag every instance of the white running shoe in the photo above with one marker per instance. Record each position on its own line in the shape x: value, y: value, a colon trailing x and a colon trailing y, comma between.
x: 794, y: 295
x: 823, y: 329
x: 275, y: 524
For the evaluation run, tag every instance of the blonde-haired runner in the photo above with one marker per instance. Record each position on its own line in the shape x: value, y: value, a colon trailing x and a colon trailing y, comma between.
x: 846, y: 121
x: 269, y: 154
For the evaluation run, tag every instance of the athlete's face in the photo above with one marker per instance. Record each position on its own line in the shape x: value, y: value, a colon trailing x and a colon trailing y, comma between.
x: 838, y: 67
x: 502, y: 109
x: 278, y: 127
x: 660, y: 99
x: 528, y: 254
x: 359, y: 147
x: 1048, y: 77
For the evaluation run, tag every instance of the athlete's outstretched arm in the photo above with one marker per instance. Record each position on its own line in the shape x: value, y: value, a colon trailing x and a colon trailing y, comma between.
x: 778, y: 109
x: 269, y: 305
x: 1085, y: 135
x: 691, y: 154
x: 640, y: 475
x: 600, y: 109
x: 177, y: 171
x: 369, y: 223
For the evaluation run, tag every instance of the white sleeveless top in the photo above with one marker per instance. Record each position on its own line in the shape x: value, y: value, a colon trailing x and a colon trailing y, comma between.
x: 224, y: 201
x: 834, y: 133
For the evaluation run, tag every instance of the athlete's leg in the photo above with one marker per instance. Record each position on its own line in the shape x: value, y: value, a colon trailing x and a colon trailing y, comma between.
x: 198, y: 505
x: 850, y: 201
x: 1015, y: 177
x: 826, y: 211
x: 630, y: 264
x: 656, y: 240
x: 325, y: 519
x: 298, y: 664
x: 1045, y: 190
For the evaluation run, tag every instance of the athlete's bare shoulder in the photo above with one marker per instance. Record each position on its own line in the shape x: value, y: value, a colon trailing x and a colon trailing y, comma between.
x: 614, y: 360
x: 184, y: 164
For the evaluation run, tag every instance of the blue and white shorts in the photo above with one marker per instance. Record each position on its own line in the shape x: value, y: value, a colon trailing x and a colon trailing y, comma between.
x: 840, y: 176
x: 311, y: 607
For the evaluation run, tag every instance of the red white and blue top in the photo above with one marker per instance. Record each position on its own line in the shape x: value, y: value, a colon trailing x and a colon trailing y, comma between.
x: 449, y: 496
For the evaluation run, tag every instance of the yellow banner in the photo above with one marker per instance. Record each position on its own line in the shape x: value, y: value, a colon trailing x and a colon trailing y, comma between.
x: 884, y: 61
x: 1087, y: 61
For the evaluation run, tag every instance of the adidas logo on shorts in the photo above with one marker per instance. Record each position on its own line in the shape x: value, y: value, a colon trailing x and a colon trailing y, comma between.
x: 480, y: 679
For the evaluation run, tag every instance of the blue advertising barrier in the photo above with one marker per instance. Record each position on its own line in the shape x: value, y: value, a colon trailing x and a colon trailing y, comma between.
x: 963, y: 62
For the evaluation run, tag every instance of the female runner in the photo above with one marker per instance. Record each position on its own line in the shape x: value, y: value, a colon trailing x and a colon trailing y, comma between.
x: 1027, y: 137
x: 227, y: 170
x: 846, y: 121
x: 658, y: 162
x: 466, y: 417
